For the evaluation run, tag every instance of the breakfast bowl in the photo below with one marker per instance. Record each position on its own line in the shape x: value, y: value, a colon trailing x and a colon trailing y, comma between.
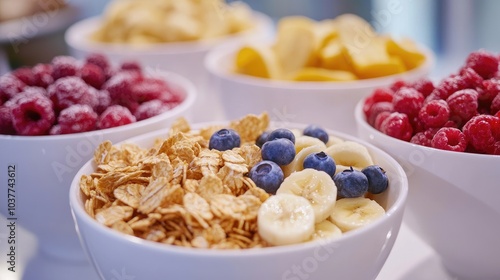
x: 449, y: 207
x: 139, y: 253
x: 184, y: 57
x: 320, y: 93
x: 39, y: 170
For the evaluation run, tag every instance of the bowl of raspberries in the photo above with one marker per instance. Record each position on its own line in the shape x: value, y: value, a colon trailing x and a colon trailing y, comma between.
x: 444, y: 134
x: 53, y: 115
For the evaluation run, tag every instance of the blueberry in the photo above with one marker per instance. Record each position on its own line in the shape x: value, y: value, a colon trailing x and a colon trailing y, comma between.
x: 317, y: 132
x: 267, y: 175
x: 281, y: 133
x: 281, y: 151
x: 262, y: 139
x: 377, y: 179
x: 224, y: 139
x: 320, y: 161
x: 351, y: 183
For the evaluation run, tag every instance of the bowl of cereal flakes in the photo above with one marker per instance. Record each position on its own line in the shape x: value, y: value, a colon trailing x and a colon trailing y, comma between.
x: 168, y: 35
x: 313, y: 71
x: 246, y: 199
x: 443, y: 136
x: 54, y: 115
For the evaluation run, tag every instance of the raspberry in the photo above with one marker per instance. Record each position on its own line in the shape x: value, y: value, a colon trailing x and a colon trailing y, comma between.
x: 447, y: 87
x: 33, y: 115
x: 483, y: 134
x: 99, y: 60
x: 471, y: 77
x: 397, y: 85
x: 120, y: 87
x: 463, y: 105
x: 42, y: 75
x: 378, y: 108
x: 380, y: 119
x: 6, y: 126
x: 76, y: 118
x: 424, y: 138
x: 55, y: 130
x: 103, y: 101
x: 495, y: 105
x: 68, y: 91
x: 408, y: 101
x: 434, y: 113
x: 64, y: 66
x: 9, y: 86
x: 490, y: 89
x: 449, y: 138
x: 25, y: 75
x: 115, y: 115
x: 131, y: 66
x: 483, y: 62
x: 150, y: 109
x: 497, y: 114
x: 417, y: 124
x: 397, y: 125
x: 424, y: 86
x: 92, y: 75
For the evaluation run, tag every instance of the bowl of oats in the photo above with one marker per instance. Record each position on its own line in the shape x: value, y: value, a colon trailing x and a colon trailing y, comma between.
x: 51, y: 122
x: 246, y: 199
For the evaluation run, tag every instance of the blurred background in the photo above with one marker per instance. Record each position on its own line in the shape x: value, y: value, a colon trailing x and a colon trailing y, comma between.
x: 31, y: 31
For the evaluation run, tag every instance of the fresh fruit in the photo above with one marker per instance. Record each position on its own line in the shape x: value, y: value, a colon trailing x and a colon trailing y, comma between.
x: 377, y: 179
x: 349, y: 153
x: 224, y: 139
x: 316, y: 132
x: 267, y: 175
x: 463, y: 104
x: 281, y: 151
x: 258, y: 61
x: 281, y: 133
x: 285, y: 219
x: 262, y: 139
x: 398, y: 126
x: 449, y: 138
x: 312, y: 74
x: 9, y: 86
x: 114, y: 116
x: 305, y: 141
x: 483, y: 134
x: 33, y: 115
x: 326, y: 229
x: 434, y: 113
x: 351, y: 183
x: 321, y: 162
x: 69, y: 91
x: 315, y: 186
x: 77, y: 118
x: 64, y: 66
x: 407, y: 101
x: 483, y: 62
x: 353, y: 213
x: 298, y: 162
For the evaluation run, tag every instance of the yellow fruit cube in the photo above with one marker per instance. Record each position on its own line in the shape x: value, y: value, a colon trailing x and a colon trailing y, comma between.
x: 257, y: 61
x: 322, y: 75
x: 407, y: 51
x: 334, y: 56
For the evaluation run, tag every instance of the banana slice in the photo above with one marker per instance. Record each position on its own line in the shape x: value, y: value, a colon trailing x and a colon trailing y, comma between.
x: 305, y: 141
x: 298, y: 161
x: 316, y: 186
x: 350, y: 153
x: 353, y: 213
x: 326, y: 229
x: 285, y: 219
x: 332, y: 140
x: 258, y: 61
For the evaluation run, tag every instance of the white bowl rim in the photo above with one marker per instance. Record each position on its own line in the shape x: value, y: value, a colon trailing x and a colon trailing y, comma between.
x: 171, y: 77
x: 75, y: 37
x: 213, y: 58
x: 360, y: 120
x: 78, y: 210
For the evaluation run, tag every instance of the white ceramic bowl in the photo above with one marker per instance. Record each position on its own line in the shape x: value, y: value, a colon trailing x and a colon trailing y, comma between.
x: 357, y: 255
x: 452, y: 202
x: 45, y: 166
x: 184, y: 58
x: 329, y: 104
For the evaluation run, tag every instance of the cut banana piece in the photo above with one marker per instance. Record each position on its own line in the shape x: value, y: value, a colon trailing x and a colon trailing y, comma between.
x: 353, y: 213
x: 350, y: 153
x: 315, y: 186
x: 332, y: 140
x: 326, y: 229
x: 298, y: 162
x: 305, y: 141
x: 285, y: 219
x: 258, y: 61
x: 339, y: 168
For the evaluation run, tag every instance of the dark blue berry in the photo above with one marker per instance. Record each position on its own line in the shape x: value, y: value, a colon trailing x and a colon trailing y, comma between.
x: 224, y: 139
x: 351, y: 183
x: 267, y: 175
x: 262, y: 139
x: 281, y: 151
x: 320, y: 161
x: 281, y: 133
x: 377, y: 179
x: 317, y: 132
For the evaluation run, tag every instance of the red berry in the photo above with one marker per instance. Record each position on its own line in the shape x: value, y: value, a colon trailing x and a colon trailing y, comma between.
x: 483, y: 62
x: 434, y: 113
x: 55, y: 130
x: 424, y: 138
x: 64, y: 66
x: 131, y: 66
x: 378, y: 108
x: 77, y: 118
x: 25, y: 75
x: 9, y: 86
x: 424, y: 86
x: 398, y: 126
x: 6, y: 126
x: 150, y: 109
x: 483, y: 134
x: 380, y: 119
x: 490, y: 89
x: 92, y: 75
x: 449, y: 138
x: 497, y: 114
x: 463, y: 104
x: 447, y: 87
x: 33, y: 115
x: 103, y: 101
x: 68, y: 91
x: 99, y: 60
x: 42, y: 75
x: 495, y: 105
x: 120, y: 87
x: 115, y: 115
x: 408, y: 101
x: 471, y: 77
x: 398, y: 85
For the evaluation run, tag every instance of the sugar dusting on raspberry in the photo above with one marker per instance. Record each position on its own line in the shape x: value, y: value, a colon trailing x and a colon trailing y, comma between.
x: 42, y: 75
x: 9, y: 86
x: 114, y: 116
x: 150, y: 109
x: 77, y: 118
x: 33, y: 115
x: 93, y: 75
x: 99, y: 60
x: 68, y: 91
x: 408, y: 101
x: 483, y: 134
x: 450, y: 139
x: 463, y: 104
x: 25, y: 75
x: 434, y: 114
x: 483, y: 62
x: 64, y: 66
x: 6, y: 126
x: 398, y: 126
